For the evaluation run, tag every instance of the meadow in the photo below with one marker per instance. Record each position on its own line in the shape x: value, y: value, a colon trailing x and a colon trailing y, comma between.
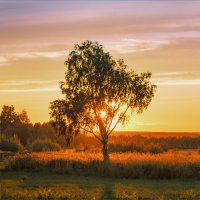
x: 141, y: 167
x: 23, y: 185
x: 170, y: 165
x: 80, y: 175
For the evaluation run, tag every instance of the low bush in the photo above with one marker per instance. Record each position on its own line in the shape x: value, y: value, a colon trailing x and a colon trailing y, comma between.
x: 10, y: 143
x: 41, y: 145
x: 131, y: 147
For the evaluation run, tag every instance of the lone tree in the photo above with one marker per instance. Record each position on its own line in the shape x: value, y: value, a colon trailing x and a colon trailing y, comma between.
x: 99, y: 94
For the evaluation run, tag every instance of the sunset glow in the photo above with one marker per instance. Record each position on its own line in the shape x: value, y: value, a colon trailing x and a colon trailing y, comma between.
x: 103, y: 114
x: 36, y: 38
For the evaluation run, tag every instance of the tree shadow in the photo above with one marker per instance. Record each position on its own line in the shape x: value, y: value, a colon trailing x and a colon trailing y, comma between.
x: 109, y: 193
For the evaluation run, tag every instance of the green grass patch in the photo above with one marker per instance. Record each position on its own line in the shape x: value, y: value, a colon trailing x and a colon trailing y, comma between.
x: 27, y: 185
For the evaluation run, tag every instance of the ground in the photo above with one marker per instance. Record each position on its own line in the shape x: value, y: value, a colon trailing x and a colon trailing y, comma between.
x: 41, y: 185
x: 48, y: 184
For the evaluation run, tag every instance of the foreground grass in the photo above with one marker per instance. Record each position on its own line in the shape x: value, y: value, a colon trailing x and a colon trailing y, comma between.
x: 171, y: 165
x: 42, y: 185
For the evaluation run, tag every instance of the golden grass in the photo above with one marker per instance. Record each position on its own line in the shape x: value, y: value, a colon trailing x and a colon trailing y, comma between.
x: 174, y: 157
x: 174, y: 164
x: 171, y: 157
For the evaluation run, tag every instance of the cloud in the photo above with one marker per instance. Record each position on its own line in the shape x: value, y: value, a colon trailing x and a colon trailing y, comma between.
x: 18, y: 86
x: 39, y: 22
x: 47, y: 89
x: 26, y: 82
x: 128, y: 45
x: 3, y: 60
x: 50, y: 54
x: 6, y: 58
x: 179, y: 82
x: 144, y: 124
x: 177, y: 78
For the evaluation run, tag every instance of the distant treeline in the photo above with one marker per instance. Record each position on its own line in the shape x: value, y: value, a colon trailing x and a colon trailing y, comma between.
x: 17, y: 133
x: 137, y: 143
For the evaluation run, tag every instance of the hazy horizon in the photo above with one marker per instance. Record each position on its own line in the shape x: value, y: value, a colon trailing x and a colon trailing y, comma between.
x: 162, y: 37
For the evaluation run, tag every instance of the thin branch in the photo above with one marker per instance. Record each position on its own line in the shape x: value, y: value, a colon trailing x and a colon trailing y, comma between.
x: 100, y: 123
x: 115, y: 109
x: 118, y: 120
x: 89, y: 131
x: 95, y: 112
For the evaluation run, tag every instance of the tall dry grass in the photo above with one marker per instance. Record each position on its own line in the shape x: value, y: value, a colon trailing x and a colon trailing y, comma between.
x: 169, y: 165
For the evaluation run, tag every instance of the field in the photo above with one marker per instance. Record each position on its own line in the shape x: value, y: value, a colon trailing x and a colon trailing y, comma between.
x: 170, y: 165
x: 76, y: 174
x: 26, y: 185
x: 158, y: 134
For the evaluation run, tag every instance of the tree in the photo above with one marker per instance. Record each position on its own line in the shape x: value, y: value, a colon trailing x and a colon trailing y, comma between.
x: 23, y: 117
x: 8, y: 118
x: 12, y: 123
x: 99, y: 94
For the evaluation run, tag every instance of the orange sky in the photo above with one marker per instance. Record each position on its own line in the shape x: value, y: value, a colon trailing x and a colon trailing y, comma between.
x: 158, y: 36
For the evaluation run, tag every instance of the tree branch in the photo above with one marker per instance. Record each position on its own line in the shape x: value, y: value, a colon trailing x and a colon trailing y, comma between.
x: 100, y: 123
x: 118, y: 120
x: 89, y: 131
x: 115, y: 109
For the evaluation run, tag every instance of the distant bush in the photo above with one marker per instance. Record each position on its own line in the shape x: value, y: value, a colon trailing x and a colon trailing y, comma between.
x: 137, y: 143
x: 44, y: 145
x: 10, y: 143
x: 152, y: 144
x: 136, y: 147
x: 155, y: 148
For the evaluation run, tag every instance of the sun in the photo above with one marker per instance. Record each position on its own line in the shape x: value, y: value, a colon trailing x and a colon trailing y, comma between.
x: 103, y: 114
x: 114, y: 121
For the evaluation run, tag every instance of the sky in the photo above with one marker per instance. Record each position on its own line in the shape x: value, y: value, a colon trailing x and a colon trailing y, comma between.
x: 162, y: 37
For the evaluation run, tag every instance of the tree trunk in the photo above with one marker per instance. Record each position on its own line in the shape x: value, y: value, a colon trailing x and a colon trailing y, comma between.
x: 105, y: 152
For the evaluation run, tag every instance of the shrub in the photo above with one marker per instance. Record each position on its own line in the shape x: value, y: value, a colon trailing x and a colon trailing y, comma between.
x: 40, y: 145
x: 8, y: 143
x: 154, y: 148
x: 132, y: 147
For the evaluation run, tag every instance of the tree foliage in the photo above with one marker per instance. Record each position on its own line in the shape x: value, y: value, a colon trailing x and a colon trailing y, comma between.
x: 10, y: 119
x: 17, y: 125
x: 12, y: 123
x: 99, y: 92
